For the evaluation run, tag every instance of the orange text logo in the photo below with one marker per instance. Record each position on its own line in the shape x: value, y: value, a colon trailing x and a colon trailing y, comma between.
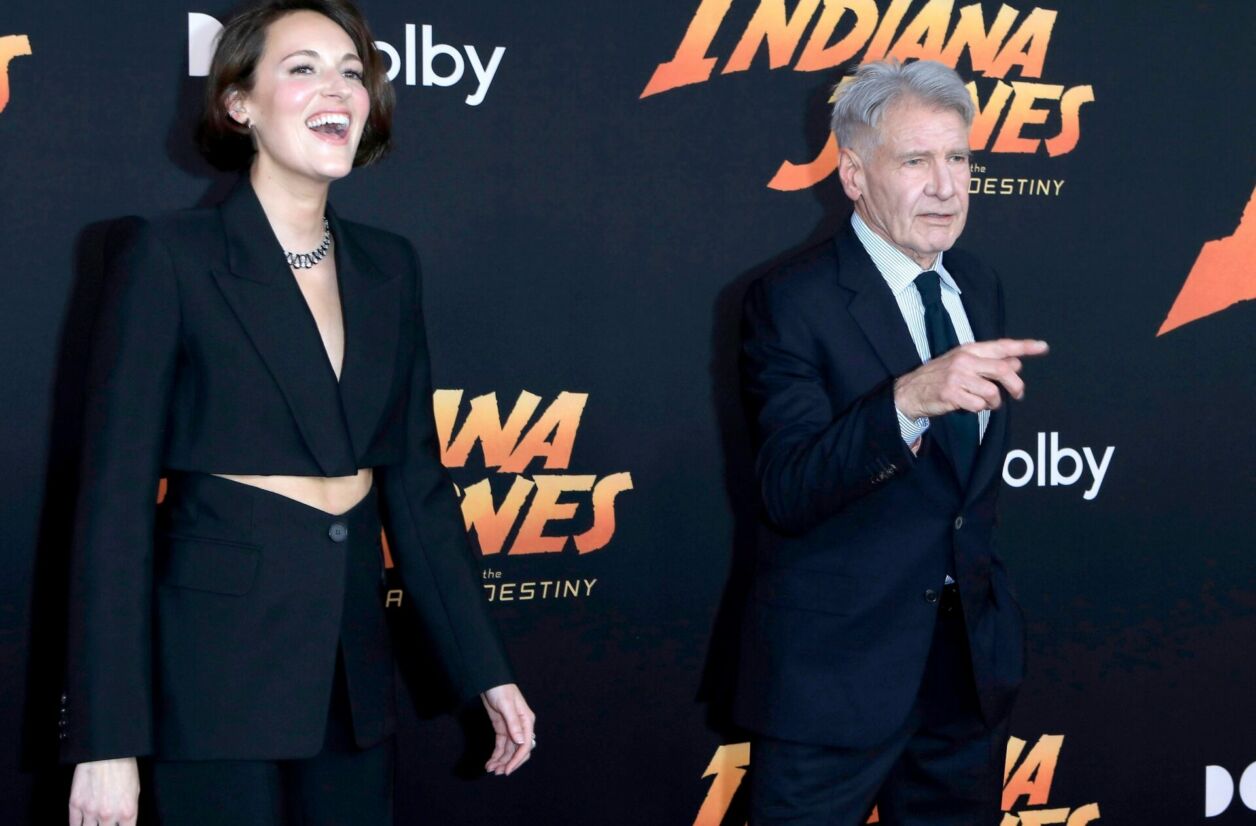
x: 1027, y: 778
x: 1224, y: 274
x: 1010, y: 119
x: 540, y: 512
x: 11, y: 46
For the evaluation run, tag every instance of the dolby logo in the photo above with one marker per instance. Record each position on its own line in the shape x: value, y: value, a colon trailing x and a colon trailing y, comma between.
x: 1054, y: 466
x: 423, y: 59
x: 1219, y: 789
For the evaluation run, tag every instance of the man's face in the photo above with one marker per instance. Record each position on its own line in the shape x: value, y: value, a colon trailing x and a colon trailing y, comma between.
x: 912, y: 189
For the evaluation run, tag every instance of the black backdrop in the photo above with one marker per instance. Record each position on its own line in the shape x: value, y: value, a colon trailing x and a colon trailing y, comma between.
x: 579, y: 237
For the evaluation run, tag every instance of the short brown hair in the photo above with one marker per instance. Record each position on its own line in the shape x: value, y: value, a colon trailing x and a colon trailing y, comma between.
x: 226, y: 143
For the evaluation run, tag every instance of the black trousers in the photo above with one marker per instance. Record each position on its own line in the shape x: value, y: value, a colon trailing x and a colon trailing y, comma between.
x: 943, y: 766
x: 341, y: 786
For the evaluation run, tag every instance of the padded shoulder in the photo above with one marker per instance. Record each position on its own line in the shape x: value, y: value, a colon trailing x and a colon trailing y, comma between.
x: 802, y: 277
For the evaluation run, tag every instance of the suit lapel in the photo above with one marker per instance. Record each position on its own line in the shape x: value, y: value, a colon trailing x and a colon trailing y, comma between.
x: 874, y: 307
x: 370, y: 303
x: 269, y: 305
x: 876, y: 310
x: 978, y: 303
x: 979, y: 306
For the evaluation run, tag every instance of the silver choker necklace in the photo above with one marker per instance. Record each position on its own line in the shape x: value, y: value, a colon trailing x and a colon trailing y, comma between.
x: 305, y: 260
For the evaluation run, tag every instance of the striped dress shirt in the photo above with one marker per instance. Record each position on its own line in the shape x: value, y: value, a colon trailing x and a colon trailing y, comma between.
x: 900, y: 273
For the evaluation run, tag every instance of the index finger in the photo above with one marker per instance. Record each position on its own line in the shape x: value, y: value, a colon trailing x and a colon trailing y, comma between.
x: 1009, y: 347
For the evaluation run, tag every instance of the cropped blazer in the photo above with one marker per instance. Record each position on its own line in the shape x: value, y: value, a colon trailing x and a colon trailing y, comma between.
x: 207, y: 359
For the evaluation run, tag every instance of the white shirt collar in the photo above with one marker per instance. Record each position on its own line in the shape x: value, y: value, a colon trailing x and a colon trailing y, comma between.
x: 897, y: 269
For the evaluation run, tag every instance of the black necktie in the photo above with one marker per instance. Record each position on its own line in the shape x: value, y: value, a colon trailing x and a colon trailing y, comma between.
x: 962, y: 426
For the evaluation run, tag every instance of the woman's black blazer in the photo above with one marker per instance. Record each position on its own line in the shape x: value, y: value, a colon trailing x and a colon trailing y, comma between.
x: 207, y: 359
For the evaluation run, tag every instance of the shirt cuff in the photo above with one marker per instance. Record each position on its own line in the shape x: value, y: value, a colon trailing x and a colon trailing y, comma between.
x: 910, y: 429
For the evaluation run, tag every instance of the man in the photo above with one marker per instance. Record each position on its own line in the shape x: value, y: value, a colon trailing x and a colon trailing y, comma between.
x: 883, y: 645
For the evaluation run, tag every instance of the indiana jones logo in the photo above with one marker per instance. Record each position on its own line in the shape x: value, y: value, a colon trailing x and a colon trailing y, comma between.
x: 1027, y: 779
x: 11, y: 46
x: 539, y: 512
x: 1012, y: 115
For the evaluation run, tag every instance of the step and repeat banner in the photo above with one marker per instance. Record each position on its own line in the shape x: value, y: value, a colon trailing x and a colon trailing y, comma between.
x: 591, y: 188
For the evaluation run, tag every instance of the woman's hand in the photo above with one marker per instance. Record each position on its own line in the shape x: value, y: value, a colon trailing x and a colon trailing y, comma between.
x: 106, y: 792
x: 513, y: 723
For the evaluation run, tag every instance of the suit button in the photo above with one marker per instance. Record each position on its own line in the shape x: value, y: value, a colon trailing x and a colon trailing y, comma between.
x: 931, y: 596
x: 338, y: 532
x: 959, y: 522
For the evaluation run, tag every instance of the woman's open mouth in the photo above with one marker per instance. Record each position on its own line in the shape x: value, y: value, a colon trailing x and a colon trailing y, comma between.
x: 330, y: 126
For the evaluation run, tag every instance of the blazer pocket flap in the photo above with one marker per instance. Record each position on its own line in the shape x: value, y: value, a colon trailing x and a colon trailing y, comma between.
x: 809, y: 590
x: 207, y: 565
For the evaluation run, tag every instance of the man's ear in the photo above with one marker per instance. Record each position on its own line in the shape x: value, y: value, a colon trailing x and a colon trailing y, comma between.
x: 850, y: 171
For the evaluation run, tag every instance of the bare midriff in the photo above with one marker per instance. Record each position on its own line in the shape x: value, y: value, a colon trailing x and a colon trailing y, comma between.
x: 331, y: 494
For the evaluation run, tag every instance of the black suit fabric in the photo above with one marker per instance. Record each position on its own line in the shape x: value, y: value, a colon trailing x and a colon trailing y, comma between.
x: 860, y: 533
x: 254, y: 595
x: 343, y: 784
x: 207, y: 359
x: 941, y: 766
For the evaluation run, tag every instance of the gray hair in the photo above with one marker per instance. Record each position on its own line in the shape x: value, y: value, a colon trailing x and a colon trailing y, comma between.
x: 863, y: 98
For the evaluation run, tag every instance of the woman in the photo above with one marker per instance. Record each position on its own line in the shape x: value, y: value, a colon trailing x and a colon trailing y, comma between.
x: 268, y: 359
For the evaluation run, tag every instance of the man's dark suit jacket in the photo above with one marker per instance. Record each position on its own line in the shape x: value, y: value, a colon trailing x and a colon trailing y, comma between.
x: 862, y: 532
x: 207, y: 359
